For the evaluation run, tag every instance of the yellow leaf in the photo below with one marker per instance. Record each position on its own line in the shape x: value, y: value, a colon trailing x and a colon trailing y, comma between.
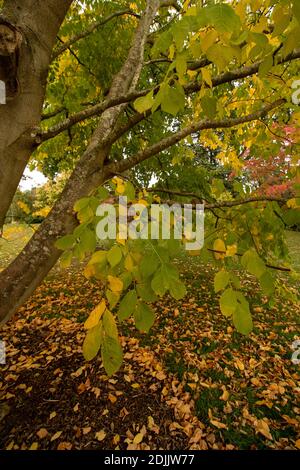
x: 217, y: 424
x: 135, y: 386
x: 239, y: 364
x: 138, y: 438
x: 219, y: 245
x: 34, y: 446
x: 297, y: 443
x: 263, y: 428
x: 143, y: 202
x: 24, y: 207
x: 86, y: 430
x: 206, y: 75
x: 112, y: 398
x: 224, y: 396
x: 89, y: 271
x: 116, y: 284
x: 95, y: 316
x: 231, y: 250
x: 42, y: 433
x: 56, y: 436
x: 101, y: 435
x: 292, y: 204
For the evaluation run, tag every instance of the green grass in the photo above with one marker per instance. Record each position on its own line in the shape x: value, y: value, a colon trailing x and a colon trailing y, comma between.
x: 15, y: 237
x: 293, y: 241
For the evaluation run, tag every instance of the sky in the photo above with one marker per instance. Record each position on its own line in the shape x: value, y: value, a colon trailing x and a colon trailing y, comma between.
x: 32, y: 179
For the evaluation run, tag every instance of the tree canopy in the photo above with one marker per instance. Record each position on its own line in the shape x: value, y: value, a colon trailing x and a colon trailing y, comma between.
x: 161, y: 101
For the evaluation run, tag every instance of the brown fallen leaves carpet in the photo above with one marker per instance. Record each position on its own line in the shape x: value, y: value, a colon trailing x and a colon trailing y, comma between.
x: 192, y: 383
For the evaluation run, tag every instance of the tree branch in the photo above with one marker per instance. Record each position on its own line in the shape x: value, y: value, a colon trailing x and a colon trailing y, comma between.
x: 182, y: 134
x: 279, y: 268
x: 99, y: 108
x: 90, y: 29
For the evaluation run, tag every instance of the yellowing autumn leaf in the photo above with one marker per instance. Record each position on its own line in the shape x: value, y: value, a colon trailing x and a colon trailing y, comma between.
x: 225, y: 395
x: 34, y: 446
x: 100, y: 436
x: 239, y: 364
x: 24, y: 207
x: 112, y: 398
x: 263, y: 428
x: 138, y: 438
x: 56, y: 436
x: 42, y: 433
x: 217, y: 424
x: 116, y: 284
x: 95, y: 315
x: 219, y: 246
x: 231, y: 250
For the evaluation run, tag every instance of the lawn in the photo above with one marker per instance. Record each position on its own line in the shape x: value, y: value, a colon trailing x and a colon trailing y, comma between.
x: 191, y: 383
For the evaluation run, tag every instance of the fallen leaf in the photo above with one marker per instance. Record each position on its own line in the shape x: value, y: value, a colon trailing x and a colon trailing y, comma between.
x: 101, y: 435
x: 56, y: 436
x: 42, y: 433
x: 138, y: 438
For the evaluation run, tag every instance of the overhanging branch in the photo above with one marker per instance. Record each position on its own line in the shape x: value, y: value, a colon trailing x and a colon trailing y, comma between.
x: 96, y: 110
x: 149, y: 152
x: 90, y: 30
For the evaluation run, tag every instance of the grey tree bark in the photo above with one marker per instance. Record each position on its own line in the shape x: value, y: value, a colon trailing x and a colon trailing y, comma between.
x: 37, y: 23
x: 21, y: 278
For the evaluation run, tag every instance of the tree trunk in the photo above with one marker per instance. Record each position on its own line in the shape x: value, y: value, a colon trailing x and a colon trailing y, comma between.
x: 37, y: 24
x: 24, y: 274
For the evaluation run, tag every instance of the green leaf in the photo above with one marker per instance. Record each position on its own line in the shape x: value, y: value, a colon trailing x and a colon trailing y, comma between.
x: 100, y: 257
x: 92, y: 342
x: 253, y: 263
x: 209, y: 106
x: 144, y: 103
x: 221, y: 280
x: 114, y: 256
x: 296, y: 10
x: 144, y: 317
x: 146, y: 292
x: 129, y: 191
x: 177, y: 290
x: 228, y: 302
x: 102, y: 193
x: 127, y: 305
x: 158, y: 284
x: 149, y: 265
x: 109, y: 324
x: 242, y: 319
x: 265, y: 66
x: 292, y: 217
x: 88, y: 241
x: 221, y: 55
x: 112, y: 355
x: 66, y: 259
x: 173, y: 99
x: 126, y: 278
x: 267, y: 283
x: 112, y: 297
x: 65, y: 243
x: 223, y: 18
x: 81, y: 204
